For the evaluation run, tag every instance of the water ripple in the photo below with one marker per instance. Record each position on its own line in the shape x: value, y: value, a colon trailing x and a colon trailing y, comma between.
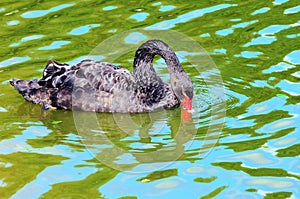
x: 135, y: 38
x: 273, y: 29
x: 14, y: 60
x: 260, y: 11
x: 271, y: 183
x: 293, y: 57
x: 254, y: 44
x: 263, y: 40
x: 249, y: 54
x: 166, y: 8
x: 107, y: 8
x: 25, y: 39
x: 41, y: 13
x: 292, y: 88
x: 83, y: 29
x: 277, y: 126
x: 292, y: 10
x: 13, y: 22
x: 55, y: 45
x: 168, y: 24
x: 282, y: 66
x: 139, y: 16
x: 265, y: 107
x: 279, y: 2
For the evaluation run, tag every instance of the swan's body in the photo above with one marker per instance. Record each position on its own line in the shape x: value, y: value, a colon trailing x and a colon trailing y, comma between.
x: 102, y: 87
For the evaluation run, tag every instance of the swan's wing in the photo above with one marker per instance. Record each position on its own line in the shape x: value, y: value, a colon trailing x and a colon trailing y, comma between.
x: 97, y: 86
x: 104, y: 76
x: 53, y: 70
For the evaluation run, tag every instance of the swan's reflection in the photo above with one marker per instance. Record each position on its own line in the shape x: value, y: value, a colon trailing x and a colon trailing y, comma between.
x: 112, y: 138
x: 124, y: 141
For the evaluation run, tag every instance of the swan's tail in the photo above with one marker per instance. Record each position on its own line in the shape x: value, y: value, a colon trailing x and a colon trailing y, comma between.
x: 32, y: 91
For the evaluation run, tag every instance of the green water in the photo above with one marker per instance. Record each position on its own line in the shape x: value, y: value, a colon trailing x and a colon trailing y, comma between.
x: 58, y: 154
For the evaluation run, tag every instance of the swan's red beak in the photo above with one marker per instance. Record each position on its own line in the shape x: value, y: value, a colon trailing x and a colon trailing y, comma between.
x: 186, y: 105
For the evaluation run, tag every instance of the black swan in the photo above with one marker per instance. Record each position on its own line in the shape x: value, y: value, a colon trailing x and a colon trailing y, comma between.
x: 102, y: 87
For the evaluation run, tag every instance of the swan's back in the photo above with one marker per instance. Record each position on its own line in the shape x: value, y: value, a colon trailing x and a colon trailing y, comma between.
x: 103, y: 87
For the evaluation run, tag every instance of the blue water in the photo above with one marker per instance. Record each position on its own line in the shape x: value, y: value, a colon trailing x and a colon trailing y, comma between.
x: 249, y: 64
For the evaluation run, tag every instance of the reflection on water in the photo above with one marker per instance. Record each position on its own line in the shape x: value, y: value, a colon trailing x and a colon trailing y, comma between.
x: 41, y: 13
x: 255, y: 46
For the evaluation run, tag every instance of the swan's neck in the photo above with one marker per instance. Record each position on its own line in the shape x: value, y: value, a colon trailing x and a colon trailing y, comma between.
x: 150, y: 83
x: 143, y: 67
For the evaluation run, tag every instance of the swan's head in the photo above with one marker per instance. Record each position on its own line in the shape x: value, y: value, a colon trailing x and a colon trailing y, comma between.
x: 183, y: 89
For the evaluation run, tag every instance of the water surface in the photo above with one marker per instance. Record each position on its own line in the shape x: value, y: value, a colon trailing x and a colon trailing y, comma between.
x: 254, y: 44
